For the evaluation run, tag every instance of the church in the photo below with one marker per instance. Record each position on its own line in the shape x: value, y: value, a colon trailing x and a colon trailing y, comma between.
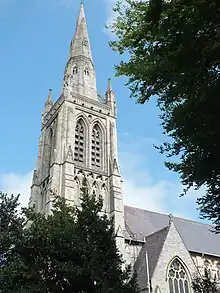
x: 79, y: 140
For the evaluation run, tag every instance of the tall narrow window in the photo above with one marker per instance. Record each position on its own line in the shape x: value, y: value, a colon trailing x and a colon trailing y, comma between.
x: 75, y: 70
x: 86, y: 71
x: 47, y: 152
x: 79, y: 150
x: 50, y: 146
x: 96, y: 147
x: 177, y: 278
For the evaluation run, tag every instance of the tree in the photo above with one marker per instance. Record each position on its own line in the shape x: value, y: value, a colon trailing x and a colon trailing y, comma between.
x: 72, y: 250
x: 11, y: 224
x: 174, y: 54
x: 204, y: 284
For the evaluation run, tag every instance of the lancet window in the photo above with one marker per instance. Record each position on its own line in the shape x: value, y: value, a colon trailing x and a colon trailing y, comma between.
x: 50, y: 146
x: 79, y: 150
x: 96, y: 147
x: 86, y: 71
x: 178, y: 278
x: 75, y: 70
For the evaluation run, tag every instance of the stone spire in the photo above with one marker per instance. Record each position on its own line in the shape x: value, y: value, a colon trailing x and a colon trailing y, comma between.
x: 79, y: 76
x: 80, y: 45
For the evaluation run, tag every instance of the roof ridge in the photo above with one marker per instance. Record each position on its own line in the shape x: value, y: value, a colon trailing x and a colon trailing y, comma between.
x: 157, y: 232
x: 166, y: 214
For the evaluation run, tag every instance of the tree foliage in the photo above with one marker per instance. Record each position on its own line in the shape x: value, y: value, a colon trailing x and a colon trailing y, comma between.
x: 205, y: 284
x: 174, y: 54
x: 71, y: 250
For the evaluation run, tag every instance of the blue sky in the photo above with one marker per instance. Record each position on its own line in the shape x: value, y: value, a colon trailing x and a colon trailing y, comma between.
x: 35, y: 38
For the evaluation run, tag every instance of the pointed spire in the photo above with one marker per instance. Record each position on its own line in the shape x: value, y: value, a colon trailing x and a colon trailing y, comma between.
x: 79, y: 75
x: 80, y: 45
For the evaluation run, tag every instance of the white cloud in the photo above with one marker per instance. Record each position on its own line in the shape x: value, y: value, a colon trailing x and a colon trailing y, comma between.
x: 140, y: 189
x: 110, y: 4
x: 13, y: 183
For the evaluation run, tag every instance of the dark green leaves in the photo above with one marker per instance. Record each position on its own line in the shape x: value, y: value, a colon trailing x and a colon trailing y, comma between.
x: 174, y: 49
x: 72, y: 250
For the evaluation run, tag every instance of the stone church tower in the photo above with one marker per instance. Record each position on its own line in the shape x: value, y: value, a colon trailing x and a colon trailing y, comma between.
x: 79, y: 138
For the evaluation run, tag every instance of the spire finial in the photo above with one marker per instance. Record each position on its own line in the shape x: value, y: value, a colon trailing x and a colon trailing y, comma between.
x: 49, y: 101
x: 170, y: 219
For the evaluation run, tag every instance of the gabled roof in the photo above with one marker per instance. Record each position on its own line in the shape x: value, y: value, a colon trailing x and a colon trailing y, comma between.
x: 196, y: 236
x: 153, y: 246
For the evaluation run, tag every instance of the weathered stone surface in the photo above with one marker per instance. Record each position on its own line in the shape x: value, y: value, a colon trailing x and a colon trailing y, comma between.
x: 79, y: 140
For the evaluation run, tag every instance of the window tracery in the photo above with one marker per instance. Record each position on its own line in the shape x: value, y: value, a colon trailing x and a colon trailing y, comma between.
x: 177, y: 278
x: 79, y: 150
x: 96, y: 147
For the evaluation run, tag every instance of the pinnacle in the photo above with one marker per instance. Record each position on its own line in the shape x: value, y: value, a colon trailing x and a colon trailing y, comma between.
x: 109, y: 88
x: 49, y: 99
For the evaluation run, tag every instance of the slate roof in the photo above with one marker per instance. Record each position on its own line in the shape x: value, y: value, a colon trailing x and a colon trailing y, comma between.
x: 196, y: 236
x: 153, y: 246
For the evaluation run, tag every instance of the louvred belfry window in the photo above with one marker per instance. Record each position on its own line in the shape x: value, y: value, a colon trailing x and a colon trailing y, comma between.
x: 79, y: 151
x: 178, y: 278
x: 96, y: 147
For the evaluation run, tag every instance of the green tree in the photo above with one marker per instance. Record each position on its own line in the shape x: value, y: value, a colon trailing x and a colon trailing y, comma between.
x: 11, y: 224
x: 204, y: 284
x: 72, y: 250
x: 173, y: 53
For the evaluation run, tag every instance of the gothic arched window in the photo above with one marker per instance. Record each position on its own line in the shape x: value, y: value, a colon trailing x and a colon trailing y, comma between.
x: 75, y: 70
x: 96, y: 148
x: 79, y: 150
x: 178, y: 278
x: 86, y: 71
